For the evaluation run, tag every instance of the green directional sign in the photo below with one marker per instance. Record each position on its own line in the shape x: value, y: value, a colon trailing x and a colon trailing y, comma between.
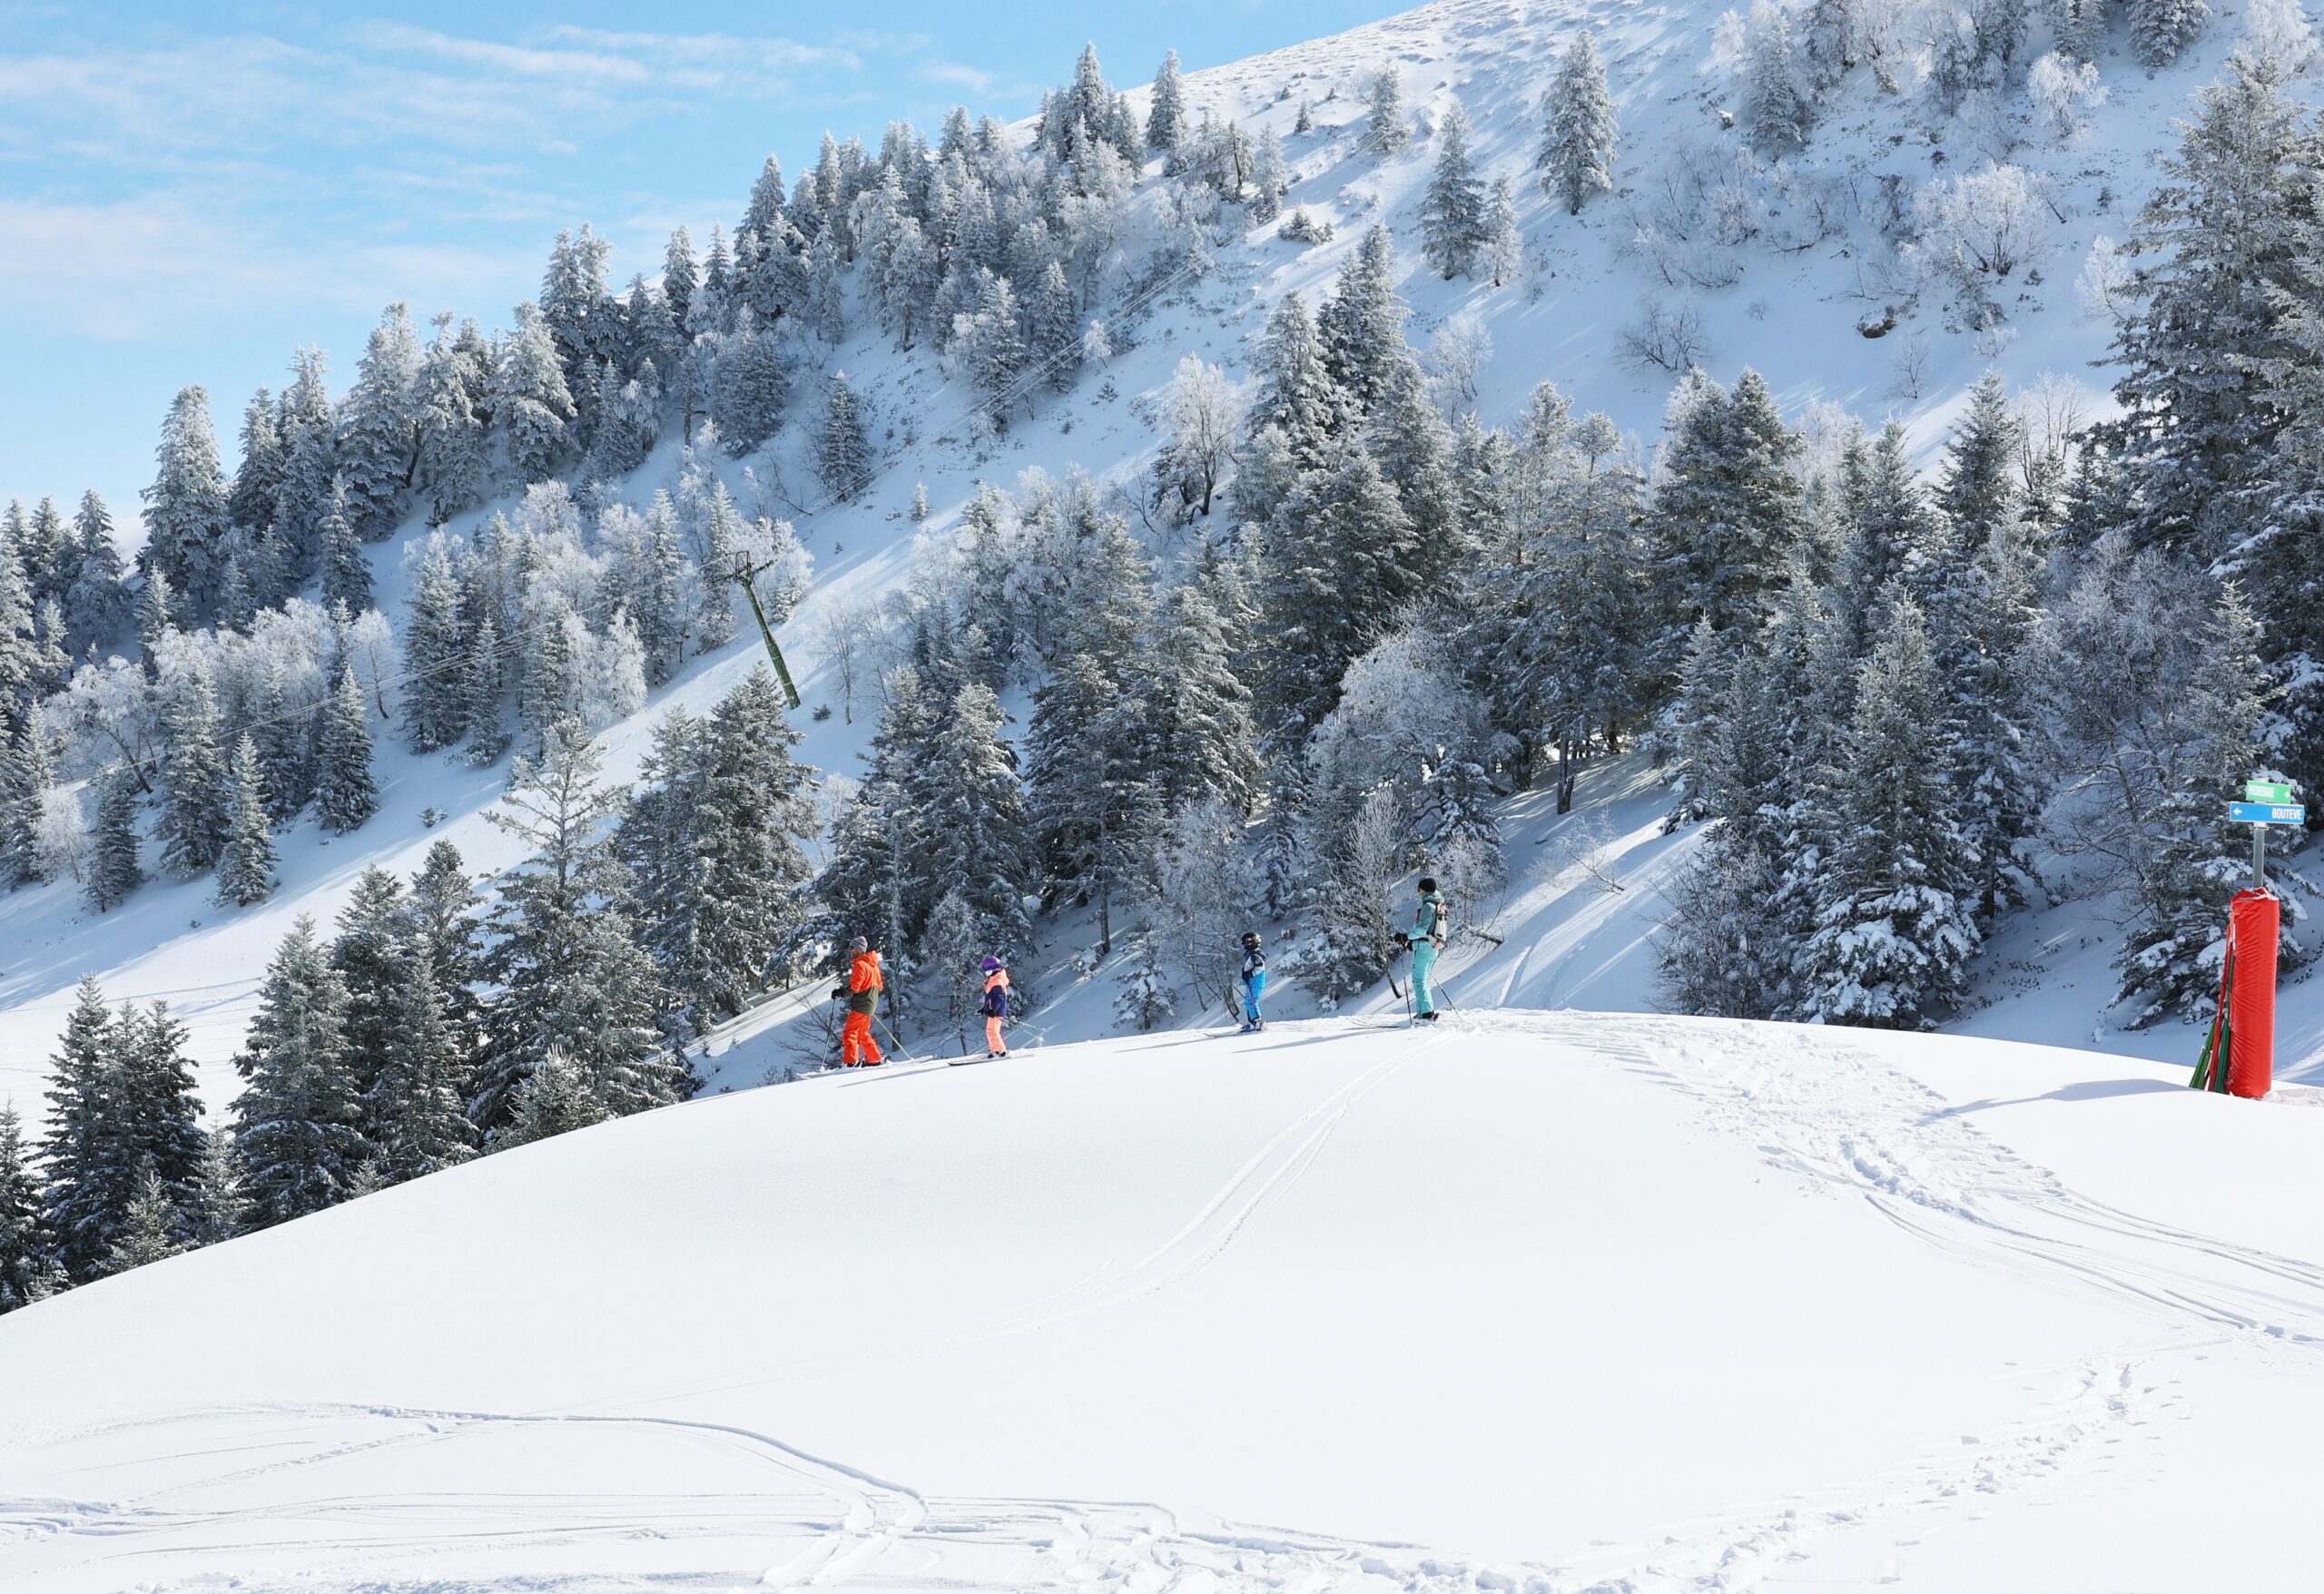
x: 2266, y: 792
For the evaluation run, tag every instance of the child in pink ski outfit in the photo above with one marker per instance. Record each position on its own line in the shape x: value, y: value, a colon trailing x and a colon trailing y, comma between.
x: 996, y: 1006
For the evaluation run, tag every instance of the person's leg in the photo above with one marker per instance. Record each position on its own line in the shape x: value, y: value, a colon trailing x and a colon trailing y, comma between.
x: 1258, y: 995
x: 992, y: 1041
x: 851, y: 1039
x: 1423, y: 965
x: 870, y: 1046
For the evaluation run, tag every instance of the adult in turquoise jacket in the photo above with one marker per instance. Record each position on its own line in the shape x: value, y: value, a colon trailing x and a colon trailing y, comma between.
x: 1431, y: 925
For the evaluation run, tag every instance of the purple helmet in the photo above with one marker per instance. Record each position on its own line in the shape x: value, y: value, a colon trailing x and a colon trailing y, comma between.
x: 990, y: 964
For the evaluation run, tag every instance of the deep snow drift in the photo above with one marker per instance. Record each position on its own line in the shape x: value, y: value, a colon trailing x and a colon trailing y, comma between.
x: 1559, y: 1302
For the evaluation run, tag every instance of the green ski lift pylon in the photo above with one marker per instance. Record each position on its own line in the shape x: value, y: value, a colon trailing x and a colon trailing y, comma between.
x: 745, y: 574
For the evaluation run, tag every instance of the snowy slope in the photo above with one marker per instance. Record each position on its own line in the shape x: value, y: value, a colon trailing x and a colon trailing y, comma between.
x: 1546, y: 1302
x: 1793, y: 312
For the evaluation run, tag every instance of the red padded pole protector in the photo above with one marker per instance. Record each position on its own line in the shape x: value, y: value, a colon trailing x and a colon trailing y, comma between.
x: 2257, y: 916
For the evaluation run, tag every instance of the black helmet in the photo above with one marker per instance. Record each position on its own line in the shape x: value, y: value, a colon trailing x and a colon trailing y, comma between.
x: 1250, y: 938
x: 1428, y: 882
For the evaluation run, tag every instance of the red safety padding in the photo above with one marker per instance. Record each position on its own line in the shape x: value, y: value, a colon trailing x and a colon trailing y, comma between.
x: 2254, y: 917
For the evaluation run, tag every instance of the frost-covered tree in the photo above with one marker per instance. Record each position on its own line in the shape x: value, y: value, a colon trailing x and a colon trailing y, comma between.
x: 1388, y: 127
x: 1203, y: 419
x: 554, y: 1098
x: 1728, y: 507
x: 1270, y: 179
x: 413, y: 1109
x: 1504, y: 245
x: 379, y: 442
x: 1453, y: 207
x: 436, y: 635
x: 150, y: 1224
x: 2222, y: 233
x: 567, y: 973
x: 752, y: 386
x: 2170, y: 957
x: 1775, y: 113
x: 345, y: 793
x: 256, y: 492
x: 196, y: 820
x: 114, y: 871
x: 297, y: 1124
x: 2279, y: 31
x: 451, y: 400
x: 712, y: 847
x: 27, y: 1271
x: 246, y: 861
x: 2161, y: 30
x: 24, y: 775
x: 2063, y: 92
x: 85, y: 1147
x: 532, y: 405
x: 1896, y: 921
x: 1334, y: 569
x: 98, y: 605
x: 185, y: 508
x: 844, y: 446
x: 1165, y: 117
x: 347, y: 574
x: 1578, y: 128
x: 213, y: 1210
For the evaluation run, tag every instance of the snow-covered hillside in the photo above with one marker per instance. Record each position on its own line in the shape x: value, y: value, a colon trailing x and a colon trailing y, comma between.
x: 1551, y: 1302
x: 1812, y: 259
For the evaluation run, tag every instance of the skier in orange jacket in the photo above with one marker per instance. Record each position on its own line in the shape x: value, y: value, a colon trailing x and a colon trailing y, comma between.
x: 856, y: 1047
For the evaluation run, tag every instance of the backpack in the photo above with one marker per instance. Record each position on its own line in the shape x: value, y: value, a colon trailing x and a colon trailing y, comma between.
x: 1440, y: 927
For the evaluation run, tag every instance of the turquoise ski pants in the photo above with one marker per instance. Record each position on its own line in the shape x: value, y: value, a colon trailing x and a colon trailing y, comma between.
x: 1423, y: 965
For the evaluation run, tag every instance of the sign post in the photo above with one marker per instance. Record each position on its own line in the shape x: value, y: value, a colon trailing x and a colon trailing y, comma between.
x: 2265, y: 802
x: 2239, y: 1056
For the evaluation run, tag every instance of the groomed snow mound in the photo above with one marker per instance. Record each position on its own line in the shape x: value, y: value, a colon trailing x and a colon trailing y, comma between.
x: 1527, y: 1300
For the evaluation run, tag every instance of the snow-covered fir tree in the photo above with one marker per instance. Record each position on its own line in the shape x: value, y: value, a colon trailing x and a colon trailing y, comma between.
x: 85, y: 1165
x: 1776, y: 114
x: 113, y: 870
x: 371, y: 952
x: 1388, y: 126
x: 1895, y: 909
x: 27, y: 1271
x: 413, y: 1112
x: 297, y: 1124
x: 2161, y: 30
x: 98, y: 605
x: 1578, y: 127
x: 347, y: 574
x: 844, y: 446
x: 246, y: 861
x: 1165, y: 116
x: 150, y: 1225
x: 345, y: 793
x: 554, y: 1098
x: 532, y: 406
x: 196, y: 818
x: 1453, y: 207
x: 567, y: 972
x: 185, y: 508
x: 379, y: 428
x: 1504, y: 245
x: 712, y: 846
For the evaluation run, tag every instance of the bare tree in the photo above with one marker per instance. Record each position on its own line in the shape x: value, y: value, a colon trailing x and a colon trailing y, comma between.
x: 1666, y: 338
x: 847, y: 626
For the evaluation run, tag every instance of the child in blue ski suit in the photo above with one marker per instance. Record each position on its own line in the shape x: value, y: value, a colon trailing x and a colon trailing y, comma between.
x: 1431, y: 924
x: 1254, y: 981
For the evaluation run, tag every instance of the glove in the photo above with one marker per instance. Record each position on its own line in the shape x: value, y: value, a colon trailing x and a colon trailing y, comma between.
x: 839, y: 993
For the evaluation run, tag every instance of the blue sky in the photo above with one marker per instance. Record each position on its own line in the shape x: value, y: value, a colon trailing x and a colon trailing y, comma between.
x: 186, y: 193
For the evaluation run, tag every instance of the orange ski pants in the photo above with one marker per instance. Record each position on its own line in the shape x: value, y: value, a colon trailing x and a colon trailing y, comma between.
x: 855, y: 1043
